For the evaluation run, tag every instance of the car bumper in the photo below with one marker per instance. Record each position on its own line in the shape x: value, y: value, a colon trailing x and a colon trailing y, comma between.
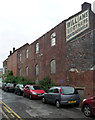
x: 37, y: 96
x: 69, y: 102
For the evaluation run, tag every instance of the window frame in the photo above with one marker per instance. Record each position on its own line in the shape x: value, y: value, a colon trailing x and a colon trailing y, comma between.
x: 20, y: 55
x: 37, y: 47
x: 53, y: 66
x: 53, y: 39
x: 27, y: 71
x: 27, y: 53
x: 37, y: 69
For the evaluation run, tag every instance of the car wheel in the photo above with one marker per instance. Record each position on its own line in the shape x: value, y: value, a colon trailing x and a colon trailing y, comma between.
x: 43, y: 100
x: 15, y: 92
x: 87, y: 111
x: 58, y: 105
x: 7, y: 90
x: 23, y: 95
x: 19, y: 93
x: 30, y: 96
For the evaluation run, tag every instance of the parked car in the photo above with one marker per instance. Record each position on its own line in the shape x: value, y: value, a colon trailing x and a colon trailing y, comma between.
x: 19, y: 88
x: 33, y: 91
x: 88, y: 106
x: 3, y: 85
x: 9, y: 87
x: 61, y: 96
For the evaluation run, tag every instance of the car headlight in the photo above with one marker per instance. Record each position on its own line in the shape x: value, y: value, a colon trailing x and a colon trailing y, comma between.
x: 34, y: 93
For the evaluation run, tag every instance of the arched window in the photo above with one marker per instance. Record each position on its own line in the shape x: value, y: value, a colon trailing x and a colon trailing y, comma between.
x: 27, y: 52
x: 20, y: 57
x: 26, y: 71
x: 20, y: 72
x: 37, y: 70
x: 53, y: 66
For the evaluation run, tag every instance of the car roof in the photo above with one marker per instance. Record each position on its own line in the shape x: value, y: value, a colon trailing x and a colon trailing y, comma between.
x: 62, y: 87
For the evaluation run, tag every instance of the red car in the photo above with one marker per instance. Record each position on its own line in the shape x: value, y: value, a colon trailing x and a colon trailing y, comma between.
x: 33, y: 91
x: 88, y: 106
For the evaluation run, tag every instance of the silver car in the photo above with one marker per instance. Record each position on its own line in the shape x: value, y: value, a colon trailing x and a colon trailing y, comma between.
x: 61, y: 96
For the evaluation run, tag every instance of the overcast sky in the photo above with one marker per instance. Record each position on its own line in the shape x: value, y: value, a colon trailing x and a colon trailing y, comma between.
x: 23, y: 21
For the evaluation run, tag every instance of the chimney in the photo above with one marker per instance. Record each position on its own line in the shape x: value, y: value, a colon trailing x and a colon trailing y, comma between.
x: 13, y: 49
x: 86, y: 6
x: 10, y: 52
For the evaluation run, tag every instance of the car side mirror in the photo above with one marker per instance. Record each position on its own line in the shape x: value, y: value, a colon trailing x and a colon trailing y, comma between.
x: 46, y: 91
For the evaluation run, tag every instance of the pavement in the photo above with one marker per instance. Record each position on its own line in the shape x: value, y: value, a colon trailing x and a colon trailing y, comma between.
x: 3, y: 115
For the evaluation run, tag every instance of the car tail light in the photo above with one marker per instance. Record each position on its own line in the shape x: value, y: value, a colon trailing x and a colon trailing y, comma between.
x: 8, y: 86
x: 61, y: 91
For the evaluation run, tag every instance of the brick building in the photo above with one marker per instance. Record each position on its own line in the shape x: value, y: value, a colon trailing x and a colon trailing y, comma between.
x: 1, y: 72
x: 66, y: 53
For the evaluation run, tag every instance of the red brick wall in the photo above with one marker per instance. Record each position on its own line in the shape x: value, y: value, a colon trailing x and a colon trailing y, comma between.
x: 25, y: 62
x: 12, y: 63
x: 84, y: 80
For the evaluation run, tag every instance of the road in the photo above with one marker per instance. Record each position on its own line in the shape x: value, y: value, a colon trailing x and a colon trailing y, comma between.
x: 21, y: 107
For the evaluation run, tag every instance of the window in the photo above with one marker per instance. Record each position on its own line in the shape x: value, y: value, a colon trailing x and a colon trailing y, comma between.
x: 37, y: 69
x: 26, y: 71
x: 37, y: 48
x: 20, y: 57
x: 53, y: 39
x: 50, y: 90
x: 68, y: 90
x: 53, y: 67
x: 27, y: 51
x: 20, y: 72
x: 56, y: 90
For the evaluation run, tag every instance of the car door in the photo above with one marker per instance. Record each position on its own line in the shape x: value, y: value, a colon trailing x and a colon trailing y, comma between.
x: 28, y: 91
x: 48, y: 95
x: 25, y: 90
x: 17, y: 88
x: 55, y: 95
x: 94, y: 105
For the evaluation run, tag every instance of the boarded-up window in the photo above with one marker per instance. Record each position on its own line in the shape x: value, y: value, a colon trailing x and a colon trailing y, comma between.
x: 26, y: 71
x: 53, y: 66
x: 20, y: 57
x: 37, y: 70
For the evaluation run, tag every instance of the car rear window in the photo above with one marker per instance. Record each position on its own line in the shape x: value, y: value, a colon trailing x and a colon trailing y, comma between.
x: 68, y: 91
x: 11, y: 85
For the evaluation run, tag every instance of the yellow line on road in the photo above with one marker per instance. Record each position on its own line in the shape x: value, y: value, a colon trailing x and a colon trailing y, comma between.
x: 12, y: 115
x: 12, y: 111
x: 6, y: 109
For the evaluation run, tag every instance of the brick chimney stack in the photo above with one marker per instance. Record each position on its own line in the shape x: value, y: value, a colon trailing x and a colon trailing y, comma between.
x: 13, y: 49
x: 86, y: 6
x: 10, y: 52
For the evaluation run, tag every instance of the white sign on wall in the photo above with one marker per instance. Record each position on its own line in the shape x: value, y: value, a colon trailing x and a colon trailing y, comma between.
x: 77, y: 24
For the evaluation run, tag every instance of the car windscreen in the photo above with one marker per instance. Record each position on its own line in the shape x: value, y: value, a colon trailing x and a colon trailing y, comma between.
x: 68, y: 90
x: 35, y: 88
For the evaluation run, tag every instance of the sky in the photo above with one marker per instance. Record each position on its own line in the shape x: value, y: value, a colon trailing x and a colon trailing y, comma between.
x: 24, y: 21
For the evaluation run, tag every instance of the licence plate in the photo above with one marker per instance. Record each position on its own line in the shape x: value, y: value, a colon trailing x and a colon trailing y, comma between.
x: 71, y: 101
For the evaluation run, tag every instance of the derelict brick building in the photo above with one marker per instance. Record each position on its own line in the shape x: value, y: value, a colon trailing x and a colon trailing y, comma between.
x: 66, y: 53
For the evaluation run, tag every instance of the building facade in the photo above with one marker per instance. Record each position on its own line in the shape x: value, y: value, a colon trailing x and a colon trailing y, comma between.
x: 66, y: 54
